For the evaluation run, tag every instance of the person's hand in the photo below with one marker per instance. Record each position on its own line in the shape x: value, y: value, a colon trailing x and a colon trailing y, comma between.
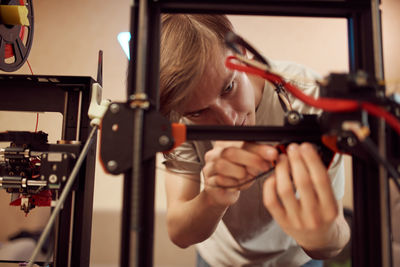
x: 308, y: 217
x: 230, y: 164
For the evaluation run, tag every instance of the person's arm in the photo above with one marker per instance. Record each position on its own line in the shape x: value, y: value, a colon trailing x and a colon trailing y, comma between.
x: 313, y: 217
x: 192, y: 216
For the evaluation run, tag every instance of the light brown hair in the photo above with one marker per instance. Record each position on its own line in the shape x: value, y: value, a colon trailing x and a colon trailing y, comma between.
x: 188, y: 42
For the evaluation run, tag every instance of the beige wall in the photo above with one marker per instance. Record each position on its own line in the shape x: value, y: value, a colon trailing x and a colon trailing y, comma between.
x: 68, y: 35
x: 391, y: 43
x: 319, y: 43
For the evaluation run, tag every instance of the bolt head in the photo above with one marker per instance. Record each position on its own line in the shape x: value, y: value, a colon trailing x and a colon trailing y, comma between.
x: 114, y: 108
x: 112, y: 165
x: 53, y: 178
x: 163, y: 140
x: 351, y: 141
x: 293, y: 118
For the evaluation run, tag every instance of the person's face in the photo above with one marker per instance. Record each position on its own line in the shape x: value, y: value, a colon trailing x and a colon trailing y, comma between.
x: 223, y: 97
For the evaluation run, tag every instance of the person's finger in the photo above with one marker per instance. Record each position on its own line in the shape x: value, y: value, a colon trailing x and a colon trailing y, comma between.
x: 245, y: 158
x: 285, y: 189
x: 303, y: 183
x: 267, y: 152
x: 225, y: 167
x: 213, y: 154
x: 271, y: 200
x: 320, y: 180
x: 226, y: 182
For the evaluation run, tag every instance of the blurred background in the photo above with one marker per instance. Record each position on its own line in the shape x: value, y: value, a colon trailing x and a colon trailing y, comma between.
x: 69, y: 34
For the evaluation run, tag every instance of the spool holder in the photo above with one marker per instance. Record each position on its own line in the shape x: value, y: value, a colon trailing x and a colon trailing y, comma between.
x: 15, y: 40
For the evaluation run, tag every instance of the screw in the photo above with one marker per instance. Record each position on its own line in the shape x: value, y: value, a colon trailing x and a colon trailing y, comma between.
x: 114, y: 127
x: 112, y: 165
x: 361, y: 78
x: 351, y: 141
x: 380, y: 94
x: 163, y: 140
x: 53, y: 178
x: 114, y: 108
x: 294, y: 118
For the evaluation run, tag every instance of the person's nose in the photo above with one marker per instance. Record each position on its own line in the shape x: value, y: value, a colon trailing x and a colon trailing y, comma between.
x: 225, y: 114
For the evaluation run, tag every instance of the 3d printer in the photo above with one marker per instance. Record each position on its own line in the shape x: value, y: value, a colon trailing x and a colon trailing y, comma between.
x: 23, y: 164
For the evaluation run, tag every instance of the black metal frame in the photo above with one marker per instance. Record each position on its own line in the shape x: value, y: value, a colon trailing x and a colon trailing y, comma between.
x: 69, y: 96
x: 370, y: 239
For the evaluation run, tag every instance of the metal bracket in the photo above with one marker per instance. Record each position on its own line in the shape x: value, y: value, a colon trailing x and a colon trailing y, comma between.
x: 117, y: 132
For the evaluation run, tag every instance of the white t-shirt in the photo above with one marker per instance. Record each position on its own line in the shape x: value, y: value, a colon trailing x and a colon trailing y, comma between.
x: 247, y: 235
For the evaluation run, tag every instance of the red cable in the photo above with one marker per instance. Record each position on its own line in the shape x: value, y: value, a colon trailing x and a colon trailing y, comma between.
x: 328, y: 104
x: 29, y: 65
x: 382, y: 113
x: 37, y: 122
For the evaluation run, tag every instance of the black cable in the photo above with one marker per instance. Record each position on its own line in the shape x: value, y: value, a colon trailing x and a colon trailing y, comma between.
x: 231, y: 39
x: 264, y: 175
x: 373, y: 151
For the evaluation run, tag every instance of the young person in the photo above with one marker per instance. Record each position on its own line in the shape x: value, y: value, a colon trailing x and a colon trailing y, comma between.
x: 290, y: 218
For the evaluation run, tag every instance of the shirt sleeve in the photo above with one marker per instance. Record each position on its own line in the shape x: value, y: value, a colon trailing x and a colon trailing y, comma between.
x: 183, y: 159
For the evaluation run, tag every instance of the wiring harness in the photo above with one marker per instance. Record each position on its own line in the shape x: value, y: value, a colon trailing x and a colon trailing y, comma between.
x: 261, y: 67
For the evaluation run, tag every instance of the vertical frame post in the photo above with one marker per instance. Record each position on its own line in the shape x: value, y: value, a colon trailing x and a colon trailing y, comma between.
x: 139, y: 182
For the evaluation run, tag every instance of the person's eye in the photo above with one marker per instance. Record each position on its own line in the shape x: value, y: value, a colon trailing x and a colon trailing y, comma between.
x: 194, y: 115
x: 229, y: 88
